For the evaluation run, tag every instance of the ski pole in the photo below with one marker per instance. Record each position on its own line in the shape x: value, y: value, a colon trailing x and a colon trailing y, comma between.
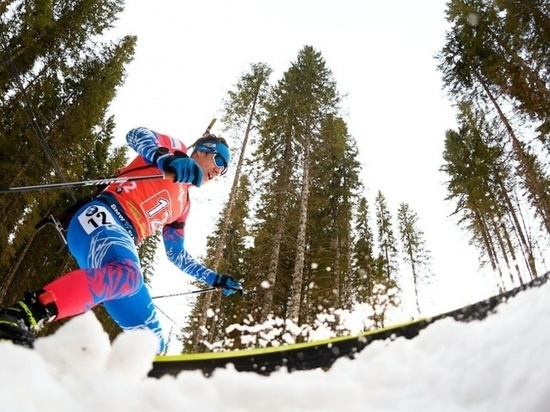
x: 94, y: 182
x: 192, y: 292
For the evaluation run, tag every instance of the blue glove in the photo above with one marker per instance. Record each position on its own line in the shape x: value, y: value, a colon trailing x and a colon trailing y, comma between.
x: 185, y: 169
x: 228, y: 285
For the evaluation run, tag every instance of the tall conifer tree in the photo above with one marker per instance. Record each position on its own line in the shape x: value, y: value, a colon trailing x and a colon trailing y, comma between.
x: 415, y: 253
x: 57, y: 79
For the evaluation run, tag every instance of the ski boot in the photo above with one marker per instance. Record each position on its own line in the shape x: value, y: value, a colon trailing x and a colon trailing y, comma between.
x: 22, y: 321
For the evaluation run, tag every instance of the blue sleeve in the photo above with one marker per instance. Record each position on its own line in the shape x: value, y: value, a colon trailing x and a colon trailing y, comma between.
x: 173, y: 243
x: 144, y: 142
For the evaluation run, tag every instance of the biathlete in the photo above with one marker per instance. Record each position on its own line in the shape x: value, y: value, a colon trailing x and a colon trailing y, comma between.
x: 103, y: 235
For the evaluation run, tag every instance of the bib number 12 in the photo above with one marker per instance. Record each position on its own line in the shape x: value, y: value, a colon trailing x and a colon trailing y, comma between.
x: 95, y: 217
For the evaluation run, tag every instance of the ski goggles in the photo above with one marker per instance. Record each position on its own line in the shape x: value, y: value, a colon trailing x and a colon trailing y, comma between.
x: 220, y: 152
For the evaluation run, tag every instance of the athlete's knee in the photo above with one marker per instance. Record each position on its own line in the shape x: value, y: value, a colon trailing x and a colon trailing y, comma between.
x: 125, y: 277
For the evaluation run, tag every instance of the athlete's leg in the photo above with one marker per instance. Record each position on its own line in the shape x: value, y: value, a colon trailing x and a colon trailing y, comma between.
x: 82, y: 289
x: 109, y: 274
x: 136, y: 312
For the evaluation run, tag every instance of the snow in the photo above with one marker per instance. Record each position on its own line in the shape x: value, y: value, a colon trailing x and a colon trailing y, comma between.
x: 498, y: 364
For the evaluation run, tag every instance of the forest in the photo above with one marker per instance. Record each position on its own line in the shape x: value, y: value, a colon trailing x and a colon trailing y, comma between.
x: 296, y: 229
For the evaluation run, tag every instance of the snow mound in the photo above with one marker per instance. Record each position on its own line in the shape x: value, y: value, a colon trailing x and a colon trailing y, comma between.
x: 497, y: 364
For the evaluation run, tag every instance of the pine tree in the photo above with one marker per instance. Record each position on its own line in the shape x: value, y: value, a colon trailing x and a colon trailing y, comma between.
x: 57, y: 80
x: 509, y: 53
x: 364, y: 269
x: 235, y: 262
x: 299, y: 102
x: 495, y: 58
x: 334, y: 194
x: 415, y: 253
x: 385, y: 290
x: 299, y: 262
x: 481, y: 181
x: 386, y: 238
x: 242, y: 113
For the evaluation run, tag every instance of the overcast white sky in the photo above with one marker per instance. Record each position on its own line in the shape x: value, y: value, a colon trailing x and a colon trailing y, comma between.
x: 381, y: 53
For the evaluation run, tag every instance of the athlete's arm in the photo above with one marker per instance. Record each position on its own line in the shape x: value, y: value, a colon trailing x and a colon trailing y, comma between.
x: 173, y: 237
x: 145, y: 142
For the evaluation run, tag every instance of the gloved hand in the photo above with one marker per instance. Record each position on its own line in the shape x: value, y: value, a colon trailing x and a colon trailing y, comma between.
x: 228, y: 284
x: 184, y: 168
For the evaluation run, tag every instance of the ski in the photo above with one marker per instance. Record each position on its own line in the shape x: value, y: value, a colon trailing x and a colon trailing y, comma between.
x: 321, y: 354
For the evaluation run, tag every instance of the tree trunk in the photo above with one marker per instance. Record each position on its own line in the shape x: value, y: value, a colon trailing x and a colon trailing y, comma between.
x: 297, y: 276
x: 533, y: 182
x: 206, y: 301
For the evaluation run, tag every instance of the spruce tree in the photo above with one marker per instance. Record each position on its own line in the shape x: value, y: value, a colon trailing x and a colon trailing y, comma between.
x: 57, y: 79
x: 495, y: 58
x: 386, y: 239
x: 298, y: 103
x: 304, y: 192
x: 364, y: 269
x: 481, y: 181
x: 243, y: 110
x: 415, y: 253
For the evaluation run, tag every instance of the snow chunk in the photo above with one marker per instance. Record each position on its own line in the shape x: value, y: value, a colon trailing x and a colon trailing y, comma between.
x: 85, y: 350
x: 132, y: 355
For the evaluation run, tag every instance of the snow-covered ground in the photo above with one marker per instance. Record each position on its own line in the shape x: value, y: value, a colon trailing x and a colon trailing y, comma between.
x: 499, y: 364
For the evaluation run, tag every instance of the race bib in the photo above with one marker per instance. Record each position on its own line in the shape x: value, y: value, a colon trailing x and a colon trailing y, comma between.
x: 95, y: 217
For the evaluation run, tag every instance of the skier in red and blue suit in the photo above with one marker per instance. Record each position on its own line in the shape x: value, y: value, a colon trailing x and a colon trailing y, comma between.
x: 104, y: 233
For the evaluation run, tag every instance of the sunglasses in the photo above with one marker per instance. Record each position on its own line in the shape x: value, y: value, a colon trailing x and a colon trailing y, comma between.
x: 220, y: 162
x: 211, y: 147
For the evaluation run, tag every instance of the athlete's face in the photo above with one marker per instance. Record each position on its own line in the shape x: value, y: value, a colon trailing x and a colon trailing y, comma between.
x: 206, y: 161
